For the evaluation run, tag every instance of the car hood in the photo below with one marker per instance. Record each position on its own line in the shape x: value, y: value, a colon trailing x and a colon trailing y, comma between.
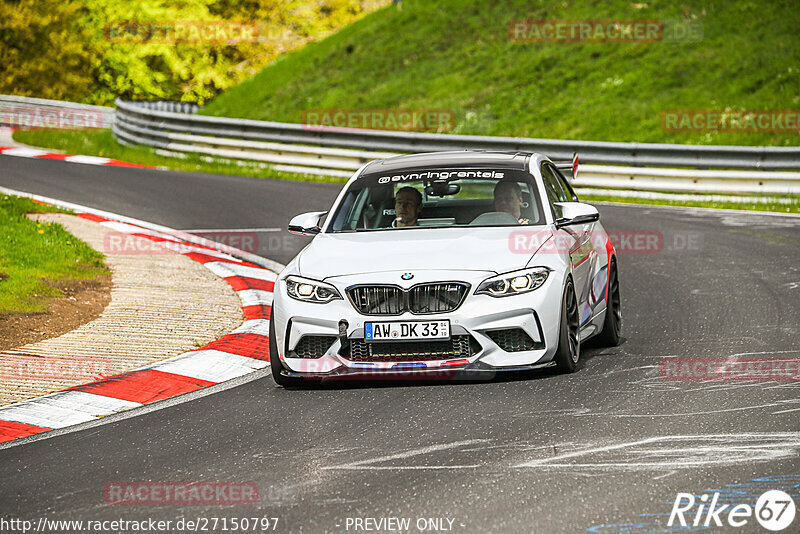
x: 454, y: 249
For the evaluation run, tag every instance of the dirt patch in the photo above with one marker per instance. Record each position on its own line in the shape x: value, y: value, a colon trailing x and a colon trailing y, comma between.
x: 82, y: 302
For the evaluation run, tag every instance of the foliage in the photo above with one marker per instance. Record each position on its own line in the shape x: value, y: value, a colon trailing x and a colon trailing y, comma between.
x: 79, y: 50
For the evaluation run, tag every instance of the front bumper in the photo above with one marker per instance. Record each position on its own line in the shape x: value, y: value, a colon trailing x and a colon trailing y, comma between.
x: 537, y: 313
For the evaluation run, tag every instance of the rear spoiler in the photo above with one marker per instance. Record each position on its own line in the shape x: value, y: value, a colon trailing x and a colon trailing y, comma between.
x: 568, y: 168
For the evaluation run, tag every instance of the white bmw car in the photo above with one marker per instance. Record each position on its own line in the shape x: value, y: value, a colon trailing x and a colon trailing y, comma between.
x: 459, y: 262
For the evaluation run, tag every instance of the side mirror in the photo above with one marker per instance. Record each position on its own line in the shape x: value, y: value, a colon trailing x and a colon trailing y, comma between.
x: 576, y: 213
x: 307, y: 223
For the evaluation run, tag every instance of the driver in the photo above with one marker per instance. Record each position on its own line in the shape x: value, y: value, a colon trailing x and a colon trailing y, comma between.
x: 407, y: 207
x: 508, y: 198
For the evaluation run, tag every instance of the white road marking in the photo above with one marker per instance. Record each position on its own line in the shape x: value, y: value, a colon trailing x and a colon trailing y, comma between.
x: 24, y: 152
x: 725, y: 449
x: 211, y: 365
x: 367, y: 464
x: 90, y: 160
x: 125, y: 228
x: 687, y: 414
x: 254, y: 326
x: 225, y: 269
x: 90, y: 403
x: 40, y: 414
x: 255, y: 297
x: 665, y: 475
x: 64, y: 408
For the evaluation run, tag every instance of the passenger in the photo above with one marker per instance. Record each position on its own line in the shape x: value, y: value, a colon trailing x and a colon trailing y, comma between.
x: 508, y: 198
x: 407, y: 207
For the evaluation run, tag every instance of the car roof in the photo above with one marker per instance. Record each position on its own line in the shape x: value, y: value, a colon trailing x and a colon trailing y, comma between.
x: 454, y: 159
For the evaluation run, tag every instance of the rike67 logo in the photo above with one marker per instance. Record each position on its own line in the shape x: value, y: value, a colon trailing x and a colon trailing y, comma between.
x: 774, y: 510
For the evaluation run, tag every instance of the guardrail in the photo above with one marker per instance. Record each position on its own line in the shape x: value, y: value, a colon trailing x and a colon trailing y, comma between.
x: 147, y: 115
x: 175, y: 129
x: 18, y: 111
x: 302, y: 148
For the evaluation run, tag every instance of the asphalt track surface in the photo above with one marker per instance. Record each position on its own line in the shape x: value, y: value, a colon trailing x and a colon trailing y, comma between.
x: 605, y: 449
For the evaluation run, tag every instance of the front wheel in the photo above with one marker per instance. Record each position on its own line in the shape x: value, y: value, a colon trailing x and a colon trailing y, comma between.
x: 275, y: 362
x: 612, y: 324
x: 569, y: 341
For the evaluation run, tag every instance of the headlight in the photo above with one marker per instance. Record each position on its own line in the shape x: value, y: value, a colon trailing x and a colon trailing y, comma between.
x: 310, y: 290
x: 514, y: 283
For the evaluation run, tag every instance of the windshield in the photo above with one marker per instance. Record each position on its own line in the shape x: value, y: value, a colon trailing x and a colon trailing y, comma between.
x: 439, y: 198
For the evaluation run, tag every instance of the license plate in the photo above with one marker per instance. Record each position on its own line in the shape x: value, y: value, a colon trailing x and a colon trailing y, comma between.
x: 407, y: 331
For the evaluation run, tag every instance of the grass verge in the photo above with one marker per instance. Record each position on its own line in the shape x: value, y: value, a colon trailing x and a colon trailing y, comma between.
x: 460, y: 55
x: 31, y: 254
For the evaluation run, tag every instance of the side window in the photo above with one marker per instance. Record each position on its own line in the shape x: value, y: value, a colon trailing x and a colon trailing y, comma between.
x: 567, y: 188
x: 555, y: 192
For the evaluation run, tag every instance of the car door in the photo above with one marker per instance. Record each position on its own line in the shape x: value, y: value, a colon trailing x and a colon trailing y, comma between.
x: 581, y: 251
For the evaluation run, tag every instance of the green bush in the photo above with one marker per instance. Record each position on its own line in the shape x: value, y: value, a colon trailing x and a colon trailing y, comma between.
x: 69, y: 49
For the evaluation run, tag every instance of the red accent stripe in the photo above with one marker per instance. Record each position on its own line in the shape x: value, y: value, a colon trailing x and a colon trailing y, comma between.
x: 118, y: 163
x: 53, y: 155
x: 583, y: 260
x: 454, y: 362
x: 205, y: 258
x: 144, y: 386
x: 248, y: 345
x: 257, y: 311
x: 239, y: 283
x: 11, y: 430
x: 62, y: 157
x: 611, y: 253
x: 92, y: 217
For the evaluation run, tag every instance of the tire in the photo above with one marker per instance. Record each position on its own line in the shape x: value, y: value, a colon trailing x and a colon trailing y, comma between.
x: 569, y: 340
x: 612, y: 325
x: 275, y: 362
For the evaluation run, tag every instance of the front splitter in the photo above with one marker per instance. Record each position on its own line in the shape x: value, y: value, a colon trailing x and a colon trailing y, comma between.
x: 475, y: 371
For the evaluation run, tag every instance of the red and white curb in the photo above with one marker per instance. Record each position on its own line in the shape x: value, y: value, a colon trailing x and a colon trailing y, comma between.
x: 27, y: 152
x: 243, y: 351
